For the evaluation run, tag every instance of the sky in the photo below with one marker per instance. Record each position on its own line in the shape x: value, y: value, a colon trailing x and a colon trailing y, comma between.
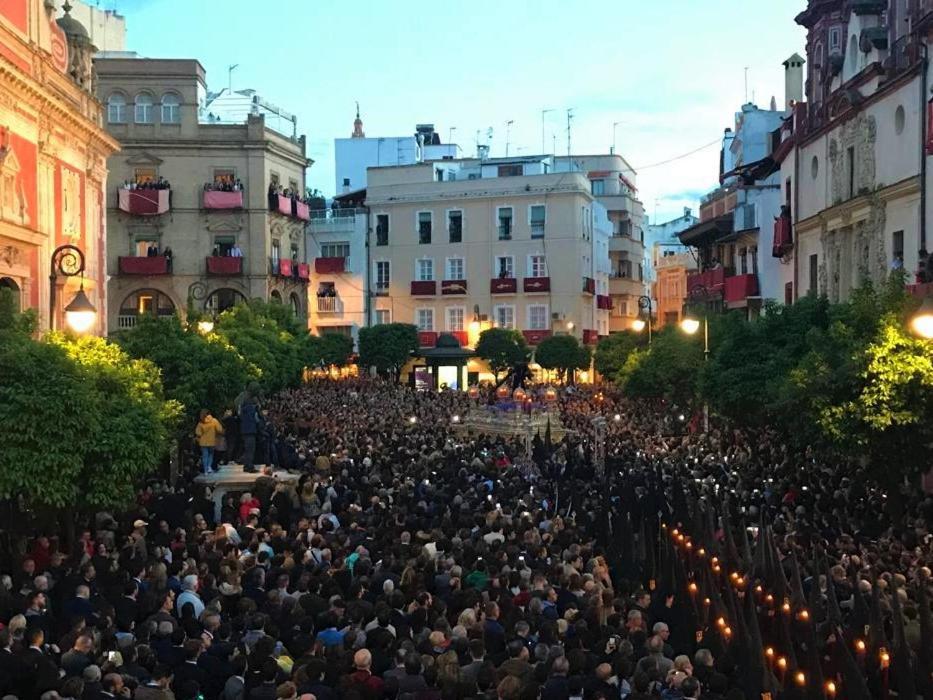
x: 670, y: 73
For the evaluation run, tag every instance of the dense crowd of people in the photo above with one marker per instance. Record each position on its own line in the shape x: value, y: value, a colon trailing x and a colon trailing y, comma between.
x: 225, y: 184
x: 634, y: 558
x: 147, y: 183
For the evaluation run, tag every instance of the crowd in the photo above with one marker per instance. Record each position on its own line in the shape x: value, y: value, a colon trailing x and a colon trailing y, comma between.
x: 147, y: 184
x: 226, y: 184
x: 412, y: 560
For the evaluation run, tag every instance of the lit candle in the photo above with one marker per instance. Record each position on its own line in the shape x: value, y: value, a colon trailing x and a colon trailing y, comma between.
x: 801, y: 678
x: 701, y: 552
x: 721, y: 622
x: 860, y: 646
x: 727, y: 632
x: 831, y: 689
x: 786, y: 607
x: 885, y: 658
x: 803, y: 615
x: 692, y: 588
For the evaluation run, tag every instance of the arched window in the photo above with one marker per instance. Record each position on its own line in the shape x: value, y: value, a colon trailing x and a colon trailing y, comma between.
x: 171, y: 108
x: 853, y: 55
x: 10, y: 283
x: 143, y: 108
x: 296, y: 304
x: 116, y: 109
x: 276, y: 296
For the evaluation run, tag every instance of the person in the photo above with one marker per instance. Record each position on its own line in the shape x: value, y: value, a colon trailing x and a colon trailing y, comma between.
x: 152, y: 251
x: 235, y: 251
x: 158, y: 687
x: 207, y: 433
x: 249, y: 427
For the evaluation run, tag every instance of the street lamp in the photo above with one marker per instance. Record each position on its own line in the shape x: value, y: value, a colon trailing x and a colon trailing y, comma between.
x: 80, y: 314
x: 205, y: 327
x: 690, y: 325
x: 922, y: 321
x: 639, y: 324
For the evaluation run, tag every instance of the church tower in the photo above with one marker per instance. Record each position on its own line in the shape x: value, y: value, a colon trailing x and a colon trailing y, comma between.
x: 358, y: 125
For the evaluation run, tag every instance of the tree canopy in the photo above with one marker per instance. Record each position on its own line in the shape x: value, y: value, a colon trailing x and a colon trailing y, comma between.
x: 388, y: 346
x: 502, y: 348
x: 563, y: 353
x: 327, y: 349
x: 613, y: 350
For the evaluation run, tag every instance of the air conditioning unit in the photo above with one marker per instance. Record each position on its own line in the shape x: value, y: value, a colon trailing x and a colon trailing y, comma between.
x: 557, y: 316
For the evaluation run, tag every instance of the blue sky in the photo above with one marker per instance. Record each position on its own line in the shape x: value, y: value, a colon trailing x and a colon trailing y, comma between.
x: 671, y: 71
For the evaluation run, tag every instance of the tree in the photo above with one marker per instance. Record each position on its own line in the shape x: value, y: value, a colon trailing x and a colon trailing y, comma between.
x: 613, y: 350
x: 253, y: 331
x: 199, y: 371
x: 502, y: 349
x: 82, y: 421
x: 562, y: 353
x: 669, y: 369
x: 388, y: 346
x: 327, y: 350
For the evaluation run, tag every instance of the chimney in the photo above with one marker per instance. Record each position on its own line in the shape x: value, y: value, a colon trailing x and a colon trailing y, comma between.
x: 793, y: 80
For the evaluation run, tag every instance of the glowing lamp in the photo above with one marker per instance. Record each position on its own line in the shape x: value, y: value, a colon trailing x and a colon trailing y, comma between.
x: 502, y: 392
x: 80, y: 314
x: 922, y: 321
x: 550, y: 394
x: 519, y: 394
x: 689, y: 325
x: 473, y: 392
x: 205, y: 327
x: 638, y: 325
x: 413, y: 420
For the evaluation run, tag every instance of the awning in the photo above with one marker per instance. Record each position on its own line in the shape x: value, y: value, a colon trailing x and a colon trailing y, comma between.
x: 707, y: 231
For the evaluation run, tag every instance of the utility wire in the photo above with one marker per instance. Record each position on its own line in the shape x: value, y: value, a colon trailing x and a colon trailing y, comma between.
x: 680, y: 157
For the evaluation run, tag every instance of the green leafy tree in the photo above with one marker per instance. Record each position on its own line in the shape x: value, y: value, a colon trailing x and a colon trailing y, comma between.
x: 613, y: 350
x: 327, y: 349
x: 388, y: 346
x: 669, y: 369
x: 562, y: 353
x: 502, y: 348
x: 253, y: 331
x: 198, y: 371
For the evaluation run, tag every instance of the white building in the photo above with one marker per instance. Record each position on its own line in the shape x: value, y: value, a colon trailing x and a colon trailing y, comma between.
x: 355, y: 154
x: 234, y: 106
x: 661, y: 240
x: 106, y: 28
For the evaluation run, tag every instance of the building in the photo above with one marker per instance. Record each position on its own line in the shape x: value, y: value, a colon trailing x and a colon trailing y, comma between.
x: 612, y: 183
x: 664, y: 235
x: 354, y: 155
x: 734, y: 236
x: 105, y: 28
x: 669, y: 290
x: 502, y: 242
x: 235, y: 106
x: 53, y: 161
x: 228, y: 238
x: 337, y: 237
x: 853, y: 157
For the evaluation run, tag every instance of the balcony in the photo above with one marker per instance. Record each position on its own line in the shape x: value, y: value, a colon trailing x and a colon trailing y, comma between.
x: 224, y: 266
x: 739, y: 287
x: 337, y: 221
x: 710, y: 281
x: 920, y: 290
x: 868, y: 7
x: 449, y: 287
x: 144, y: 202
x: 423, y: 288
x: 536, y: 336
x: 289, y: 207
x: 625, y: 286
x: 590, y: 337
x: 216, y: 199
x: 533, y: 285
x: 503, y: 285
x: 330, y: 266
x: 329, y: 305
x: 604, y: 302
x: 148, y: 266
x: 589, y: 285
x: 783, y: 237
x: 427, y: 339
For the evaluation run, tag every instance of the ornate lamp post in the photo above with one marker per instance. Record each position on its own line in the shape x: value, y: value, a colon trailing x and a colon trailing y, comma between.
x: 80, y: 314
x: 639, y: 324
x: 690, y: 325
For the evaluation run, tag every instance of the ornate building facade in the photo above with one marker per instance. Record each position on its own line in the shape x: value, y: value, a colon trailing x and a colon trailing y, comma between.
x: 53, y: 160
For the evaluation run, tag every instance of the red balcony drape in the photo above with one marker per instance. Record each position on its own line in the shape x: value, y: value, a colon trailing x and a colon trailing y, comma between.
x: 536, y: 284
x: 131, y: 265
x: 329, y: 266
x: 143, y: 202
x: 223, y: 200
x: 224, y: 266
x: 449, y: 287
x: 535, y: 337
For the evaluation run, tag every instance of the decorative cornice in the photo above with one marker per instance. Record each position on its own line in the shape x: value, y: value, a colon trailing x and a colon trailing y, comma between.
x: 847, y: 209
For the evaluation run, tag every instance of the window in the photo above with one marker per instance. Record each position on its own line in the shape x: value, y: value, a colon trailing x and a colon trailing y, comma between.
x: 850, y: 162
x: 504, y: 214
x: 382, y: 229
x: 294, y: 249
x: 382, y: 276
x: 116, y: 109
x: 536, y: 220
x: 899, y: 119
x: 383, y: 316
x: 455, y: 225
x: 143, y: 175
x: 143, y: 108
x: 424, y: 227
x: 754, y: 253
x: 274, y: 178
x: 171, y: 109
x: 509, y: 170
x: 537, y: 266
x: 598, y: 187
x: 835, y: 40
x: 743, y: 261
x: 455, y: 269
x: 537, y: 317
x: 455, y: 316
x: 276, y: 252
x: 505, y: 266
x: 424, y: 319
x: 346, y: 182
x: 897, y: 248
x: 223, y: 245
x: 224, y: 176
x: 292, y: 185
x: 814, y: 273
x: 425, y: 269
x: 335, y: 250
x: 504, y: 316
